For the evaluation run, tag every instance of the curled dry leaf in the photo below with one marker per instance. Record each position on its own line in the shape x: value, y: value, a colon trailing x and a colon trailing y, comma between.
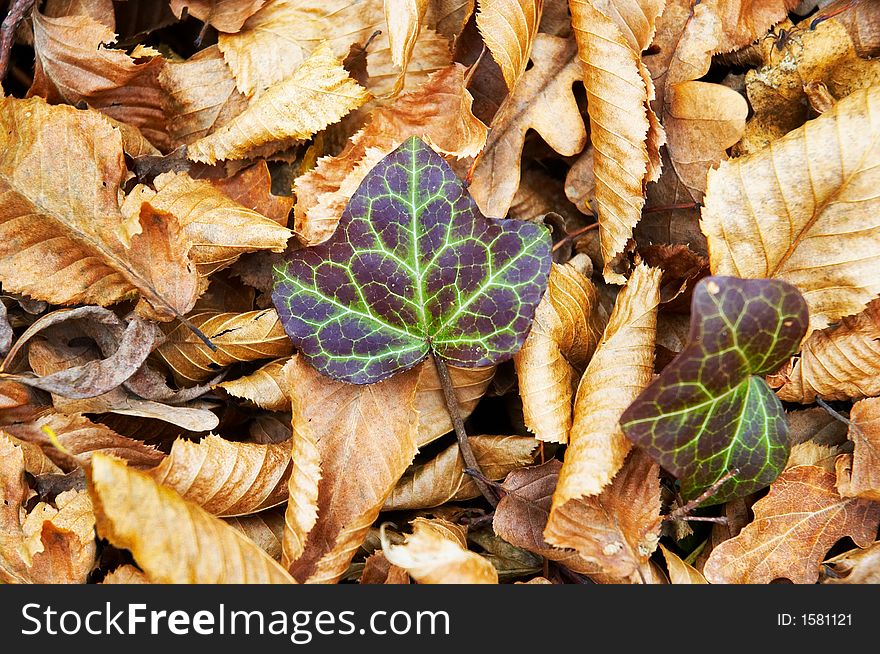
x: 805, y: 197
x: 350, y: 446
x: 625, y: 133
x: 794, y: 526
x: 225, y: 16
x: 317, y: 94
x: 509, y: 28
x: 564, y: 335
x: 439, y: 111
x: 126, y: 574
x: 436, y: 553
x: 63, y: 238
x: 431, y: 52
x: 837, y: 363
x: 621, y: 368
x: 264, y: 387
x: 859, y: 475
x: 679, y: 571
x: 859, y: 566
x: 266, y: 529
x: 378, y: 570
x: 743, y: 22
x: 442, y: 479
x: 135, y: 513
x: 227, y: 478
x: 246, y: 336
x: 49, y: 544
x: 543, y: 100
x: 404, y: 20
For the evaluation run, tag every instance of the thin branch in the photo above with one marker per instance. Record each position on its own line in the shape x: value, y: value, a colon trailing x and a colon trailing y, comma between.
x: 18, y: 11
x: 573, y: 235
x: 681, y: 512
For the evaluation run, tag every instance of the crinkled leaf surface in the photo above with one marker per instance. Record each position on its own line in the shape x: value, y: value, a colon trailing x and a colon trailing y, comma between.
x: 413, y: 267
x: 708, y: 412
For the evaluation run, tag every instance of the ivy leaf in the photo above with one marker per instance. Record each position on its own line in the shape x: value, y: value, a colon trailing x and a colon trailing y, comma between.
x: 709, y: 412
x: 412, y: 268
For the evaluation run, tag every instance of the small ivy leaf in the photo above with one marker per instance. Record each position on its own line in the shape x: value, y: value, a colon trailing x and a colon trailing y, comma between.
x: 413, y: 267
x: 709, y: 412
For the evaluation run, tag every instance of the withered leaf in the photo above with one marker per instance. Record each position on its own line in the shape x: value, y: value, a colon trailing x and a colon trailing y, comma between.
x: 509, y: 28
x: 226, y: 16
x: 264, y: 387
x: 859, y: 476
x: 859, y: 566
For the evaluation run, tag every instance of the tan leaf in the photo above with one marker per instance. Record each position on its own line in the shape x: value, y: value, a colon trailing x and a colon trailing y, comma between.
x: 226, y: 478
x: 201, y: 96
x: 679, y: 571
x: 49, y: 544
x: 62, y: 235
x: 810, y: 453
x: 264, y: 387
x: 218, y: 228
x: 509, y: 28
x: 73, y: 65
x: 246, y: 336
x: 442, y: 479
x: 126, y: 574
x: 544, y: 101
x: 431, y: 52
x: 135, y: 513
x: 837, y: 363
x: 564, y: 335
x: 859, y: 566
x: 625, y: 134
x: 744, y: 21
x: 404, y: 19
x: 794, y: 526
x: 378, y: 570
x: 436, y: 553
x: 252, y: 187
x: 620, y: 527
x: 449, y: 16
x: 439, y: 111
x: 621, y: 368
x: 771, y: 214
x: 225, y: 16
x: 266, y: 529
x: 859, y: 475
x: 364, y: 438
x: 35, y: 460
x: 318, y: 93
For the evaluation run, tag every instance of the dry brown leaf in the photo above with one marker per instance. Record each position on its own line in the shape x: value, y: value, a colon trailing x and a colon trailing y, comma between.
x: 838, y: 363
x: 743, y: 21
x: 266, y: 529
x: 436, y: 553
x: 126, y: 574
x: 317, y: 94
x: 774, y: 214
x: 567, y: 327
x: 624, y: 131
x: 439, y: 111
x: 543, y: 100
x: 49, y: 544
x: 442, y: 479
x: 172, y: 540
x: 794, y: 526
x: 431, y: 52
x: 264, y: 387
x: 227, y: 478
x: 509, y: 28
x: 378, y: 570
x: 449, y: 16
x: 63, y: 238
x: 859, y: 566
x: 620, y: 527
x: 350, y: 446
x: 246, y: 336
x: 621, y: 368
x: 404, y: 19
x: 225, y: 16
x: 218, y: 228
x: 252, y: 187
x: 810, y: 453
x: 859, y: 475
x: 74, y: 64
x: 35, y: 460
x: 679, y: 571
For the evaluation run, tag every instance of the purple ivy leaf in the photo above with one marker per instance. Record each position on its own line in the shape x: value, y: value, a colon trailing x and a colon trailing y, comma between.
x: 413, y: 267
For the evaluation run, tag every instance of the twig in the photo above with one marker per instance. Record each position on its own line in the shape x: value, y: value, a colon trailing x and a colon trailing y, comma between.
x: 573, y: 235
x: 18, y: 10
x: 472, y: 466
x: 681, y: 512
x: 839, y: 416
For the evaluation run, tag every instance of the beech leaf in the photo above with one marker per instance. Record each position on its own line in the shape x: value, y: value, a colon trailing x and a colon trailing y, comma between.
x: 708, y: 412
x: 412, y: 268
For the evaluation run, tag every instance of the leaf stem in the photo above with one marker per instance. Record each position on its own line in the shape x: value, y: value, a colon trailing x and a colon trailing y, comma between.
x: 470, y: 461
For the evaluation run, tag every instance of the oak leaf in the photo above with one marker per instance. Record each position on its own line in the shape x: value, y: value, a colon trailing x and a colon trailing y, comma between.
x: 794, y: 526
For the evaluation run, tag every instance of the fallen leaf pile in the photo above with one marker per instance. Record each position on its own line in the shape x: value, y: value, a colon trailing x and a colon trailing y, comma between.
x: 217, y: 364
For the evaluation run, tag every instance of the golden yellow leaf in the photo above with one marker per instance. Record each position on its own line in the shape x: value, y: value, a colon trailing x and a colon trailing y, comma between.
x: 317, y: 94
x: 63, y: 238
x: 859, y: 566
x: 246, y: 336
x: 226, y: 478
x: 567, y: 327
x: 442, y: 479
x: 439, y: 111
x: 544, y: 101
x: 226, y: 16
x: 218, y: 228
x: 350, y: 446
x: 794, y: 526
x: 436, y: 553
x: 679, y: 571
x: 773, y: 214
x: 625, y: 134
x: 858, y: 475
x: 404, y: 19
x: 172, y: 540
x: 509, y: 28
x: 263, y: 387
x: 621, y: 368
